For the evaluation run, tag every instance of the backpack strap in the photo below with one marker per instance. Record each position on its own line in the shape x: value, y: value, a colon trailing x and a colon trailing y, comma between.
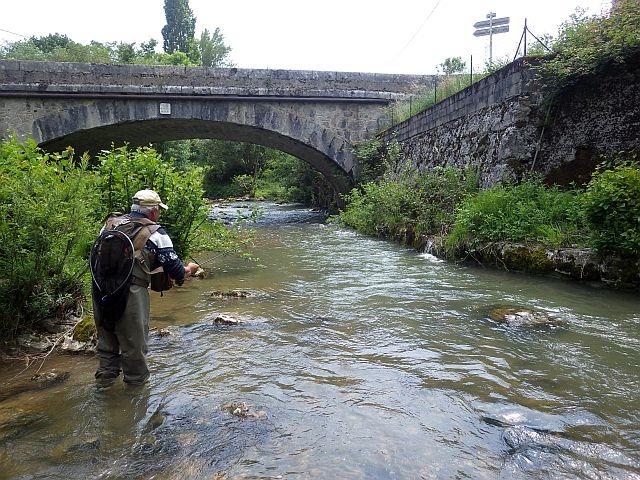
x: 140, y: 236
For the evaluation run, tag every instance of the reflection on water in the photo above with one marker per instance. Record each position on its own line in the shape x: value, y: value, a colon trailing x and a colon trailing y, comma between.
x: 370, y: 361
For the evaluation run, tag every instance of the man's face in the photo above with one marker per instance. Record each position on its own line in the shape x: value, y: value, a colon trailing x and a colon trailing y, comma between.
x: 154, y: 214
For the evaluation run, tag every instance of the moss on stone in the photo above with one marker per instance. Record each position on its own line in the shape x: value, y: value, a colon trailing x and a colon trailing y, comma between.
x: 527, y: 259
x: 85, y: 330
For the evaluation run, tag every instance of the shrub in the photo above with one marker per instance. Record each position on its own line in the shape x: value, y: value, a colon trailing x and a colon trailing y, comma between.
x: 410, y: 206
x: 376, y: 158
x: 611, y: 205
x: 46, y: 229
x: 592, y: 45
x: 529, y: 212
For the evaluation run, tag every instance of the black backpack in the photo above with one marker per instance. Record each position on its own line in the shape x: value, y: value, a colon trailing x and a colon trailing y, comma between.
x: 111, y: 262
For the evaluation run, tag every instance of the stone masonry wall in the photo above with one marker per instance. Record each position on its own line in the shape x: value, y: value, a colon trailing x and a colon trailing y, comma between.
x: 503, y: 126
x: 19, y: 75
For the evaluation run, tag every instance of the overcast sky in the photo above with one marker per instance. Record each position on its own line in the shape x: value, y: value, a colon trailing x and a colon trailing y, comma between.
x: 391, y: 36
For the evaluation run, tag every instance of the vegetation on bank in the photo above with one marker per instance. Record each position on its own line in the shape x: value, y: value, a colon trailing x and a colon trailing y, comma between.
x: 446, y: 203
x: 592, y: 45
x: 52, y: 206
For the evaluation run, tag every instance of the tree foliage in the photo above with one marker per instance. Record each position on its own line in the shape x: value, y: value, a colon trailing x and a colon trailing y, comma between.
x: 179, y: 32
x: 46, y: 49
x: 590, y: 45
x: 453, y: 65
x: 124, y: 171
x: 213, y: 51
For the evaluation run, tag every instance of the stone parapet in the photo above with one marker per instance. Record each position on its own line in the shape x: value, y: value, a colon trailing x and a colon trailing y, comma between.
x: 23, y: 76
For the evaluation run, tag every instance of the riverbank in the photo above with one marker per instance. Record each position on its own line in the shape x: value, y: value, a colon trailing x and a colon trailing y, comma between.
x: 582, y: 264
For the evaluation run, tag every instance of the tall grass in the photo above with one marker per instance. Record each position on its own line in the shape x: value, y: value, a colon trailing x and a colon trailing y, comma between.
x: 529, y: 211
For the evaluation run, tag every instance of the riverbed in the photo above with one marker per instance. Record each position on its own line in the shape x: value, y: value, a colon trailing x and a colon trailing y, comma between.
x: 353, y: 358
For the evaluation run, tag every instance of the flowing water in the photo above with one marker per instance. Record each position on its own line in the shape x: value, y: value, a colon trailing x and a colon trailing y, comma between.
x: 358, y: 359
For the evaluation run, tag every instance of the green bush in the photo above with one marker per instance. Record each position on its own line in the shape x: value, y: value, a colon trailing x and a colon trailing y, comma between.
x: 529, y: 212
x: 611, y: 205
x: 592, y: 45
x: 376, y: 158
x: 408, y: 207
x: 47, y: 226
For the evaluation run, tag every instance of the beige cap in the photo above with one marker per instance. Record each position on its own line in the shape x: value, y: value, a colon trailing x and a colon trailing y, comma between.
x: 148, y: 198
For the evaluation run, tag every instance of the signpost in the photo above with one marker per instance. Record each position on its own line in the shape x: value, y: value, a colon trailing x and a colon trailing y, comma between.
x: 490, y: 27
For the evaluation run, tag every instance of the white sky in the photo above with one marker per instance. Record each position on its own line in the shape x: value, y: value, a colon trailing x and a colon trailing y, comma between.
x: 401, y: 36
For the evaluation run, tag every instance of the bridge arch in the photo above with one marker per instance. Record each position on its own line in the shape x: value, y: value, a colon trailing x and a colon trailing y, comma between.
x: 315, y: 116
x: 324, y: 143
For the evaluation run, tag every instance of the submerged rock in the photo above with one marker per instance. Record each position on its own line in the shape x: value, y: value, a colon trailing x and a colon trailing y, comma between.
x: 39, y: 381
x: 518, y: 437
x: 224, y: 319
x: 163, y: 332
x: 243, y: 410
x: 14, y: 423
x: 231, y: 294
x: 85, y: 446
x: 515, y: 316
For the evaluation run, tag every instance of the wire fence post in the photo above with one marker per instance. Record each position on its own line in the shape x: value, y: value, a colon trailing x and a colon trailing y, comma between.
x: 435, y: 90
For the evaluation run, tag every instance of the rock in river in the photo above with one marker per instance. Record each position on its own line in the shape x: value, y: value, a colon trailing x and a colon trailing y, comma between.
x: 515, y: 316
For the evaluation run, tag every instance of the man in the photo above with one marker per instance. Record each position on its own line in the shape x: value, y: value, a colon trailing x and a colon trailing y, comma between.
x: 122, y: 344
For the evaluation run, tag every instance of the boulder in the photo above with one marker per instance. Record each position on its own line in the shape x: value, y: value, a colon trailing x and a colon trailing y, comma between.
x: 515, y: 316
x: 224, y: 319
x: 243, y: 410
x: 33, y: 343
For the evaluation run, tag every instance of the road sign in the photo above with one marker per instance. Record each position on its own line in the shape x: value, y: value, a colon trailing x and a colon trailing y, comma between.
x: 487, y: 31
x: 494, y: 22
x: 489, y: 27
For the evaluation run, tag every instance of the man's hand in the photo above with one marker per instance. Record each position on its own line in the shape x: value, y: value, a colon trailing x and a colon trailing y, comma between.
x: 190, y: 269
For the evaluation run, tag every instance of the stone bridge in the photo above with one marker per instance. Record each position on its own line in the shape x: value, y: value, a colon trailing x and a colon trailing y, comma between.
x: 315, y: 116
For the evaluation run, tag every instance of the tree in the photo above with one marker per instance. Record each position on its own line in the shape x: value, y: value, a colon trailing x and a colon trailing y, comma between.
x: 453, y: 65
x: 213, y: 51
x: 126, y: 52
x: 51, y: 42
x: 148, y: 49
x: 178, y: 33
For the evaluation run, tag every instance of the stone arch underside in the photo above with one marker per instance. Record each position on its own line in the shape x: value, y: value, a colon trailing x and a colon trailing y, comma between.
x: 321, y: 136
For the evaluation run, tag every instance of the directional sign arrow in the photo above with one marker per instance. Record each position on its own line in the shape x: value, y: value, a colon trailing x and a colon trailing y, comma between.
x: 486, y: 31
x: 495, y: 22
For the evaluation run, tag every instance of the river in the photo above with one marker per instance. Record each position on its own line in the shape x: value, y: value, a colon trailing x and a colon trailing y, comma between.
x: 357, y: 359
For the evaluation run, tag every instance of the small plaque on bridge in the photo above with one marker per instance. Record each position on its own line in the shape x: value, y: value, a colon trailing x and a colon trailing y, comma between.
x: 165, y: 109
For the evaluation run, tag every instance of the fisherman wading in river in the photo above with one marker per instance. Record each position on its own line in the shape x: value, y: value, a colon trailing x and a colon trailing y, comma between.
x: 131, y: 254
